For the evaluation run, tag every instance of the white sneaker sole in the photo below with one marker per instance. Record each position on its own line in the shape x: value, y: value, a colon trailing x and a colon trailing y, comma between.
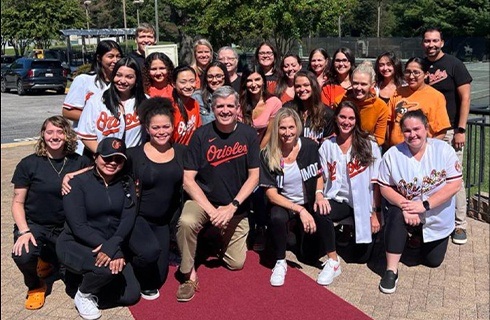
x: 388, y: 291
x: 459, y: 241
x: 326, y: 283
x: 152, y: 297
x: 89, y: 316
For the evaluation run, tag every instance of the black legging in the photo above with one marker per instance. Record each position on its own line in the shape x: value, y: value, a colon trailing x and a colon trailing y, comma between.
x: 46, y: 242
x: 396, y: 235
x: 280, y: 216
x: 150, y: 247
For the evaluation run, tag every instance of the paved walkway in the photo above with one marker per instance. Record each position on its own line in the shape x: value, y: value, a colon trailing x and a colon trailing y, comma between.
x: 458, y: 289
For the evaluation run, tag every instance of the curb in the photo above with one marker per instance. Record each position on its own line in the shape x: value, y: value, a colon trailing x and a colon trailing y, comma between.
x: 17, y: 144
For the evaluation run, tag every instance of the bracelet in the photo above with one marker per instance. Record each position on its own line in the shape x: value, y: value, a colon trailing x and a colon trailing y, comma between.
x: 319, y: 191
x: 302, y: 208
x: 23, y: 232
x: 376, y: 209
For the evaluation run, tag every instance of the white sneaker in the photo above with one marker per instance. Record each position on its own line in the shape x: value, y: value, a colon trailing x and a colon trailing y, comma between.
x: 87, y: 306
x: 331, y: 269
x: 279, y: 273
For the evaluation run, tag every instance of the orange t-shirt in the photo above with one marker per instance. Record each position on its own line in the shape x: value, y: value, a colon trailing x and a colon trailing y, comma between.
x: 184, y: 131
x: 332, y: 94
x: 374, y: 116
x: 165, y: 92
x: 285, y: 97
x: 428, y: 99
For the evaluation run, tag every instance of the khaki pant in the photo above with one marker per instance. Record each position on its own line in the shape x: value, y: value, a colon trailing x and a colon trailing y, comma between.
x: 461, y: 194
x: 192, y: 220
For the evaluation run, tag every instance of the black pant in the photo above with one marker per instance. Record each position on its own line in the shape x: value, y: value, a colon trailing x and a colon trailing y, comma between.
x: 46, y: 237
x: 150, y: 246
x: 396, y: 235
x: 279, y: 225
x: 120, y: 289
x: 339, y: 211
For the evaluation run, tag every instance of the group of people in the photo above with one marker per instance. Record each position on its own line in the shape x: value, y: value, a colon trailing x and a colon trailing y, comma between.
x: 164, y: 152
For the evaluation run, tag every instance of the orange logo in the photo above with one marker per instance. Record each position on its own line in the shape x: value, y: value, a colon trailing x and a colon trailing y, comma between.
x: 116, y: 144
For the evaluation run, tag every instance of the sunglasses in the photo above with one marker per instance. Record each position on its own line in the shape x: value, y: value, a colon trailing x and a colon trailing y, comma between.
x: 116, y: 159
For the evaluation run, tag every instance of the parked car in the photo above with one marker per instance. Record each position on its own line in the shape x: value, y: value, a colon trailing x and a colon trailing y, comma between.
x: 27, y: 74
x: 7, y: 60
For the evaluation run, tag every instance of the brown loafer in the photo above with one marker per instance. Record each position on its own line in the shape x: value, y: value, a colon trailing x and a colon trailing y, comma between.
x: 187, y: 290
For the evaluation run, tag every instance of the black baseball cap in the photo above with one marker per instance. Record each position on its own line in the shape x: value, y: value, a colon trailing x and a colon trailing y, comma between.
x: 112, y: 147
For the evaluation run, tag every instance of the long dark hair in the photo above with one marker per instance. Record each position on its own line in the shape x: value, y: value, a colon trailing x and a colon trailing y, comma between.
x: 206, y: 91
x: 111, y: 98
x: 175, y: 94
x: 316, y: 109
x: 397, y: 67
x: 361, y: 146
x: 102, y: 48
x: 282, y: 83
x: 246, y: 96
x: 147, y: 66
x: 333, y: 76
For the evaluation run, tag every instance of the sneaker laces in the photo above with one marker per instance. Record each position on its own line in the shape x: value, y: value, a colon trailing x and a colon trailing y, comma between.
x: 92, y: 298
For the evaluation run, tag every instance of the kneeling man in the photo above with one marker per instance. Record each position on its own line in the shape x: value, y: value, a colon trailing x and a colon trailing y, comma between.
x: 221, y: 169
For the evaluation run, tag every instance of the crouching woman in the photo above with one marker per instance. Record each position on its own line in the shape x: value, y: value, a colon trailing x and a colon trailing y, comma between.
x: 100, y: 213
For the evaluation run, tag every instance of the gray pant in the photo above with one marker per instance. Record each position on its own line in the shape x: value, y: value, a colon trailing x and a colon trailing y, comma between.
x: 192, y: 220
x: 461, y: 195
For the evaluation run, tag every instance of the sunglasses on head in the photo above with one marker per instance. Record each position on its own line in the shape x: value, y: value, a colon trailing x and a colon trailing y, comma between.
x: 116, y: 159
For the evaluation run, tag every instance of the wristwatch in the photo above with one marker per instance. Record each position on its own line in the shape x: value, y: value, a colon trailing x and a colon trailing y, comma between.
x: 235, y: 203
x: 426, y: 205
x: 460, y: 130
x: 376, y: 209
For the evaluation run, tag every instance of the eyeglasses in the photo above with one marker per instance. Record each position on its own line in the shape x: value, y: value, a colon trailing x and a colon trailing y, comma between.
x: 266, y: 53
x: 218, y: 77
x: 116, y: 159
x: 415, y: 73
x: 227, y: 59
x: 341, y: 60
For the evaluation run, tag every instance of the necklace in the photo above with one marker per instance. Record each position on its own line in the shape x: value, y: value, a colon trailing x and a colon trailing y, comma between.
x: 62, y: 167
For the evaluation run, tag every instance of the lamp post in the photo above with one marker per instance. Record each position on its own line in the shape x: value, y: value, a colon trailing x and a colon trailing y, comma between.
x: 125, y: 26
x: 156, y: 21
x: 84, y: 45
x: 138, y: 3
x: 379, y: 15
x: 86, y: 3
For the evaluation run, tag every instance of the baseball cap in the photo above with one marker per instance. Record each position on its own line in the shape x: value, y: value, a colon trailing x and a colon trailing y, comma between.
x: 111, y: 147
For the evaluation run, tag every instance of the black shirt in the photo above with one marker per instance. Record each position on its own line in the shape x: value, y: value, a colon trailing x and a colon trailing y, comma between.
x: 222, y: 160
x: 98, y: 214
x: 44, y: 203
x: 159, y: 184
x: 446, y: 75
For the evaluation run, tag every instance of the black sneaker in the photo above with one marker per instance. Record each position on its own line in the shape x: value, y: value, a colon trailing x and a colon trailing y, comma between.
x: 388, y: 282
x: 150, y: 294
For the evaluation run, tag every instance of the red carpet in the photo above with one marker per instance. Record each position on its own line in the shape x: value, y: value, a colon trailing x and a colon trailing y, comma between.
x: 247, y: 294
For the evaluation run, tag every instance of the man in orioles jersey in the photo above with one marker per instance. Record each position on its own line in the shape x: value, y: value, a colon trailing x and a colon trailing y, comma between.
x: 221, y: 169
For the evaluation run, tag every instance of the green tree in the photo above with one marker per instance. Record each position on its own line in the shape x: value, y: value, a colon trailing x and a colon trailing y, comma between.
x: 238, y: 21
x: 38, y: 21
x: 455, y: 17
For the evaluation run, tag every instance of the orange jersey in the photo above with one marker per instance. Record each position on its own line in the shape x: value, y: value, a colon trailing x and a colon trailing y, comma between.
x: 184, y: 131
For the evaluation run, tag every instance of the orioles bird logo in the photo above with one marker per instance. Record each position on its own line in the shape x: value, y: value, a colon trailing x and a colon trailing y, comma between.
x: 403, y: 107
x: 116, y: 144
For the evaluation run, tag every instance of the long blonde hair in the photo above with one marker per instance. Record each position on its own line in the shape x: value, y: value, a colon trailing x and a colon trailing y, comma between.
x: 272, y: 151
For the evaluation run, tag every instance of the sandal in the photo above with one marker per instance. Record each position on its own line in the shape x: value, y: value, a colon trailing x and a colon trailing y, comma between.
x: 35, y: 298
x: 44, y: 269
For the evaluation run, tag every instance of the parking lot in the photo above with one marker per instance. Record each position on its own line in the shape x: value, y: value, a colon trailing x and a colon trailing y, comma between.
x: 22, y: 116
